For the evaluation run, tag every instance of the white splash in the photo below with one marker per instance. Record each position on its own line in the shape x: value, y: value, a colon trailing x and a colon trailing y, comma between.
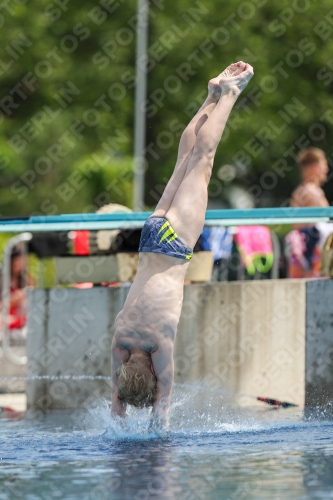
x: 194, y: 410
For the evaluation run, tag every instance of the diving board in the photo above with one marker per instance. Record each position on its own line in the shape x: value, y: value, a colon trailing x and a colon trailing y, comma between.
x: 232, y: 217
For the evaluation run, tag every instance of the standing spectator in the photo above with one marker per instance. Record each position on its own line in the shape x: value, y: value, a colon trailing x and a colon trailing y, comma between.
x: 304, y: 244
x: 314, y: 170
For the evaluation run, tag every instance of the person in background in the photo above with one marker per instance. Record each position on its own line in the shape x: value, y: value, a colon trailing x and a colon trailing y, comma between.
x: 19, y: 279
x: 314, y: 169
x: 304, y: 243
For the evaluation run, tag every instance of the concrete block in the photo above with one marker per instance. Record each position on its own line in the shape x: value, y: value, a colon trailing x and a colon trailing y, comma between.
x: 95, y: 269
x: 319, y: 342
x: 201, y: 267
x: 12, y: 375
x: 243, y: 337
x: 121, y: 267
x: 69, y: 334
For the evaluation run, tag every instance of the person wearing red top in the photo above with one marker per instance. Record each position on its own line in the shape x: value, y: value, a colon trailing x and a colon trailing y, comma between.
x: 19, y: 279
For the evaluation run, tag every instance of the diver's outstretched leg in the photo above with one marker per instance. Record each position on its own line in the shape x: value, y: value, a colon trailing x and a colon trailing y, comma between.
x: 186, y: 145
x: 188, y: 208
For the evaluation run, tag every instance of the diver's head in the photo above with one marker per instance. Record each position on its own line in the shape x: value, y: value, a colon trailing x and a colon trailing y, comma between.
x: 137, y: 384
x: 313, y: 165
x: 18, y: 261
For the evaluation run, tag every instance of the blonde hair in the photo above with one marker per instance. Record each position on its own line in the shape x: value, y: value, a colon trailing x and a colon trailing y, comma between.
x: 136, y: 384
x: 308, y: 157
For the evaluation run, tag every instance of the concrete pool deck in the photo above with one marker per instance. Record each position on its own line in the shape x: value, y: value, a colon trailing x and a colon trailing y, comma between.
x: 17, y: 402
x: 12, y: 392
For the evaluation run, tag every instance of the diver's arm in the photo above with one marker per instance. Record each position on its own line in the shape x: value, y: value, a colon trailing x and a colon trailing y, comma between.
x: 118, y: 356
x: 163, y: 365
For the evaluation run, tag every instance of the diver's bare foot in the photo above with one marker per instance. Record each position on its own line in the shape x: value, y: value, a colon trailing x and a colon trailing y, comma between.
x: 214, y: 88
x: 233, y: 70
x: 235, y: 78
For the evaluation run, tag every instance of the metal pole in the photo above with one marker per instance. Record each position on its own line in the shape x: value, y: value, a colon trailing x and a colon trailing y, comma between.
x: 140, y: 97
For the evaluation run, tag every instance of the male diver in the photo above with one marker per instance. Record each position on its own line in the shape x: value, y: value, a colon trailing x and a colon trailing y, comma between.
x: 145, y: 330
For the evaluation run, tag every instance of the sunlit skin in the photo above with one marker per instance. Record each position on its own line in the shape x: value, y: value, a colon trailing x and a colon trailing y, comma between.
x: 309, y: 193
x: 147, y: 325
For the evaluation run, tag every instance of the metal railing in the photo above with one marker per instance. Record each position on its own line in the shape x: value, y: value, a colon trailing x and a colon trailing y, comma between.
x: 69, y: 222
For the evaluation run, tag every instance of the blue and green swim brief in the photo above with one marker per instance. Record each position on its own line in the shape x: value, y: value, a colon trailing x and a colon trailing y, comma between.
x: 158, y: 236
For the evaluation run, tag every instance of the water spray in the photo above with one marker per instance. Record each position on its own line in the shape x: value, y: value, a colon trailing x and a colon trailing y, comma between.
x: 270, y: 401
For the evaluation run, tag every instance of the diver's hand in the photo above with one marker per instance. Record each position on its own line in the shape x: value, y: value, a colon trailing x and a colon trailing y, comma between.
x: 158, y: 422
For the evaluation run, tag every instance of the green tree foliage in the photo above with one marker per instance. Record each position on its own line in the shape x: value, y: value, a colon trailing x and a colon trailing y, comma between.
x: 67, y: 97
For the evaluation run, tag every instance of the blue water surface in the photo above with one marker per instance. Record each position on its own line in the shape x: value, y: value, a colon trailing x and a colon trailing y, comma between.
x: 233, y: 454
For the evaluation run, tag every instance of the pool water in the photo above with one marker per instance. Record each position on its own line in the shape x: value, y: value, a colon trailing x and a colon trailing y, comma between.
x: 229, y: 453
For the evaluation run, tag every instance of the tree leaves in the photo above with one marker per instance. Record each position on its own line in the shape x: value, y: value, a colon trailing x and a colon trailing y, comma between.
x: 48, y: 130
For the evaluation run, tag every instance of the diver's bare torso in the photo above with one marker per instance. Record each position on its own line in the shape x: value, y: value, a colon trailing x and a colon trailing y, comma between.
x: 152, y: 309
